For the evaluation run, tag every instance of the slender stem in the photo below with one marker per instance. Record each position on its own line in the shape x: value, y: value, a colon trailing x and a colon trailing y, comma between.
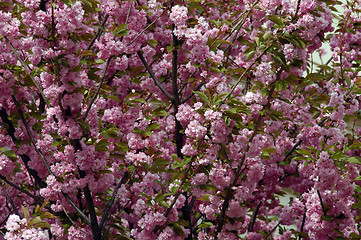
x: 98, y: 90
x: 99, y: 32
x: 240, y: 26
x: 229, y: 194
x: 155, y: 79
x: 180, y: 186
x: 43, y: 158
x: 321, y: 202
x: 110, y: 204
x: 75, y: 207
x: 31, y: 136
x: 130, y: 8
x: 178, y: 192
x: 303, y: 223
x: 10, y: 129
x: 245, y: 72
x: 289, y: 153
x: 36, y: 199
x: 254, y: 217
x: 273, y: 229
x: 136, y: 37
x: 66, y: 213
x: 192, y: 94
x: 28, y: 72
x: 297, y: 10
x: 12, y: 204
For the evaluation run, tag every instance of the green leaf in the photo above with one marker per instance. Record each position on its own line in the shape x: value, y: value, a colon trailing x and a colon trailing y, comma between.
x: 327, y: 218
x: 355, y: 236
x: 10, y: 154
x: 25, y: 212
x: 304, y: 152
x: 169, y: 48
x: 152, y: 42
x: 250, y: 55
x: 138, y: 100
x: 276, y: 19
x: 205, y: 225
x: 67, y: 2
x: 222, y: 41
x: 178, y: 229
x: 47, y: 215
x: 357, y: 188
x: 356, y: 160
x: 100, y: 61
x: 203, y: 96
x: 101, y: 146
x: 42, y: 225
x: 348, y: 80
x: 123, y: 146
x: 152, y: 127
x: 205, y: 197
x: 120, y: 28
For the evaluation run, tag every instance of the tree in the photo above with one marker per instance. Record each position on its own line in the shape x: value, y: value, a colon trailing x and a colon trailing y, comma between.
x: 179, y: 119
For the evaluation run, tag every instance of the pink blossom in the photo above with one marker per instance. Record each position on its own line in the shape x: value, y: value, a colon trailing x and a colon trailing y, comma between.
x: 178, y: 15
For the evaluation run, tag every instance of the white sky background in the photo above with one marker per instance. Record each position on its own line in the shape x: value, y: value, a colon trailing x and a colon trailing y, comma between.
x: 325, y: 46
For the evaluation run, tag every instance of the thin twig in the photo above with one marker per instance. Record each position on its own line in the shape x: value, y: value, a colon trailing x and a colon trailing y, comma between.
x: 155, y: 79
x: 136, y: 37
x: 99, y: 32
x: 245, y: 72
x: 303, y: 223
x: 192, y: 94
x: 241, y: 23
x: 43, y: 158
x: 110, y: 204
x: 130, y: 8
x: 297, y: 10
x: 240, y: 165
x: 98, y: 90
x: 254, y: 217
x: 289, y: 153
x: 273, y: 229
x: 31, y: 135
x: 75, y: 207
x: 28, y: 72
x: 66, y: 213
x: 321, y: 202
x: 36, y: 199
x: 178, y: 192
x: 10, y: 129
x: 12, y: 203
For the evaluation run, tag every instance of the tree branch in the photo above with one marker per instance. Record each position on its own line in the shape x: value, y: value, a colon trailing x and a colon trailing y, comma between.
x: 98, y: 90
x: 12, y: 204
x: 229, y: 190
x: 110, y: 204
x: 303, y: 223
x: 136, y: 37
x: 254, y: 217
x: 31, y: 136
x: 99, y: 32
x: 192, y: 94
x: 28, y: 72
x: 156, y: 81
x: 10, y: 129
x: 36, y: 199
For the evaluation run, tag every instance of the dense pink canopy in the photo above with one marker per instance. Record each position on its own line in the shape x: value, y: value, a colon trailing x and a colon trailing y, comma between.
x: 191, y: 119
